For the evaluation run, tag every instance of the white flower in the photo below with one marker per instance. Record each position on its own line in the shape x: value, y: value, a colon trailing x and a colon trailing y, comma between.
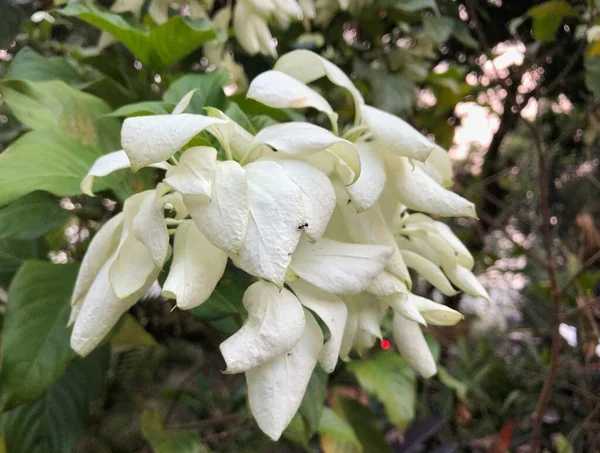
x: 330, y: 215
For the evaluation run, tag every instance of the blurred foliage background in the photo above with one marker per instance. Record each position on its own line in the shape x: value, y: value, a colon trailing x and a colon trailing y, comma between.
x: 509, y: 86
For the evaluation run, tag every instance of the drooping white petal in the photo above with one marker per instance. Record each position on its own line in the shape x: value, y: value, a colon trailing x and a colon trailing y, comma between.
x: 385, y: 284
x: 439, y: 166
x: 464, y: 279
x: 107, y: 164
x: 101, y: 309
x: 196, y: 269
x: 305, y: 139
x: 133, y: 263
x: 434, y: 313
x: 223, y: 219
x: 101, y: 247
x: 404, y: 304
x: 333, y: 313
x: 349, y: 331
x: 369, y: 227
x: 230, y: 134
x: 410, y: 341
x: 366, y: 190
x: 151, y: 139
x: 368, y: 329
x: 276, y: 388
x: 251, y: 29
x: 275, y: 223
x: 149, y: 226
x: 307, y: 66
x: 184, y: 102
x: 279, y: 90
x: 417, y: 190
x: 463, y: 255
x: 396, y: 135
x: 339, y: 267
x: 318, y: 196
x: 195, y: 172
x: 275, y: 324
x: 432, y: 273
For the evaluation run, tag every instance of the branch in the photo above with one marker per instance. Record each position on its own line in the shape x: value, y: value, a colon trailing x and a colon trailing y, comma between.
x: 555, y: 298
x: 589, y: 263
x: 201, y: 424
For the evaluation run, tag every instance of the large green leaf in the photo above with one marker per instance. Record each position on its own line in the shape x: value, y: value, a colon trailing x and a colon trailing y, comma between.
x: 390, y: 379
x: 35, y: 340
x: 54, y: 105
x: 144, y: 108
x: 31, y: 216
x: 30, y: 65
x: 548, y: 16
x: 56, y: 422
x: 209, y: 90
x: 162, y: 46
x: 13, y: 253
x: 311, y: 407
x: 333, y: 425
x: 47, y: 160
x: 592, y: 74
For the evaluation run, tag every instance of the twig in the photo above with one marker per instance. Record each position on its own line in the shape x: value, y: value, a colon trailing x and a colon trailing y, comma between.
x: 215, y: 437
x: 589, y: 263
x: 201, y: 424
x: 555, y: 340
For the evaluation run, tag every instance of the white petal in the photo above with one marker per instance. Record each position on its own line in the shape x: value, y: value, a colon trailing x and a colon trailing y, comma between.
x: 369, y: 227
x: 333, y: 313
x: 417, y: 190
x: 396, y: 135
x: 318, y: 196
x: 404, y: 304
x: 429, y: 271
x: 149, y: 226
x: 463, y: 255
x: 349, y: 331
x: 151, y: 139
x: 279, y: 90
x: 305, y: 139
x: 195, y: 173
x: 307, y: 66
x: 411, y: 343
x: 275, y: 324
x: 184, y: 102
x: 439, y: 166
x: 230, y: 134
x: 366, y: 190
x: 196, y: 269
x: 101, y: 310
x: 339, y: 267
x: 276, y: 388
x: 385, y: 284
x: 108, y: 164
x: 275, y: 224
x: 464, y: 279
x: 368, y: 321
x: 434, y: 313
x: 223, y: 220
x: 101, y: 247
x: 133, y: 263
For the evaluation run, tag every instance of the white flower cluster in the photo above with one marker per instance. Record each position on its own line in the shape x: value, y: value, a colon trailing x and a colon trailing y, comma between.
x: 326, y: 223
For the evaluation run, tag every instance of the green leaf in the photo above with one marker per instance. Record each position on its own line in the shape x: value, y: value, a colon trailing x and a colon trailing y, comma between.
x: 226, y: 299
x: 130, y: 333
x: 30, y: 65
x: 461, y: 388
x: 57, y: 421
x: 209, y: 90
x: 11, y: 22
x: 562, y: 444
x: 365, y: 424
x: 56, y: 106
x: 438, y: 28
x: 31, y: 216
x: 462, y: 33
x: 412, y: 6
x: 390, y: 379
x: 164, y: 441
x: 160, y: 47
x: 311, y: 407
x: 592, y: 75
x: 143, y: 108
x: 47, y: 160
x: 35, y: 343
x: 333, y: 425
x: 548, y: 16
x: 234, y: 112
x: 296, y: 432
x: 13, y: 253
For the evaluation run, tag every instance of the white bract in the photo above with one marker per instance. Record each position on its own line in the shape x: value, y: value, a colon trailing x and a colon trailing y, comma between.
x: 328, y: 223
